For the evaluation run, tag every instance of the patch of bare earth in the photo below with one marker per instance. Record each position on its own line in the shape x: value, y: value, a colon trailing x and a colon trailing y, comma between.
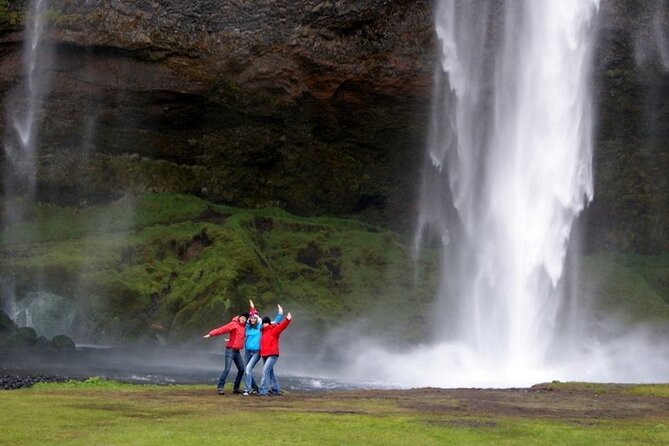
x: 581, y: 406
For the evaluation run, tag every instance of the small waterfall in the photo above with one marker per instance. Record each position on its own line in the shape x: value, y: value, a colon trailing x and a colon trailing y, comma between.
x: 48, y: 313
x: 22, y: 116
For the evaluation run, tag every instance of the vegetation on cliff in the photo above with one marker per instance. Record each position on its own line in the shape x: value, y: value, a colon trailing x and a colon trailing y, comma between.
x: 175, y: 265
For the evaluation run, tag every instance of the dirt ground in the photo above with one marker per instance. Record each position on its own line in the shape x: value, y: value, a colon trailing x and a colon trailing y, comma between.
x: 580, y: 404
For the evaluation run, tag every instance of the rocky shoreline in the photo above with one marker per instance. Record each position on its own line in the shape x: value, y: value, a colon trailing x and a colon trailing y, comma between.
x: 12, y: 379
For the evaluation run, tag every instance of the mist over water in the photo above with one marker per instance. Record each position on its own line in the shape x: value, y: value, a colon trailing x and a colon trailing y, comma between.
x: 509, y: 170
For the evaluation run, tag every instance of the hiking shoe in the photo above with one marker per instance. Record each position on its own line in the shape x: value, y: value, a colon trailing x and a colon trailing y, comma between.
x: 237, y: 392
x: 220, y: 391
x: 246, y: 393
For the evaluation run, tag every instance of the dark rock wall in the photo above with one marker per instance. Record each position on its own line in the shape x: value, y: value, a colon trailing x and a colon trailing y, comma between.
x: 631, y: 207
x: 320, y: 107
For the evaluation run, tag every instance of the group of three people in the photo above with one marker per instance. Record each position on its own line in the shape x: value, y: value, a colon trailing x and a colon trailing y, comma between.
x: 260, y: 339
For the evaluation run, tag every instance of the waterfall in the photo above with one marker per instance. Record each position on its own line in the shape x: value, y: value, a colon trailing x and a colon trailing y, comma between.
x: 511, y: 143
x: 22, y: 114
x: 508, y: 170
x: 21, y: 140
x: 48, y: 313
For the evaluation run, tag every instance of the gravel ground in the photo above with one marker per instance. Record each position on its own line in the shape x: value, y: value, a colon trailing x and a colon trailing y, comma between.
x: 16, y: 379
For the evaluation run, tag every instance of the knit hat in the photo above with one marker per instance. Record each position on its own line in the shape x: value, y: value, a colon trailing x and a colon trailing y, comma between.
x: 245, y: 314
x: 266, y: 320
x: 253, y: 312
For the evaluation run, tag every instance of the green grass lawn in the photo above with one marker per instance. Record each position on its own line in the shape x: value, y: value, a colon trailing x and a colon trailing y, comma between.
x: 111, y: 413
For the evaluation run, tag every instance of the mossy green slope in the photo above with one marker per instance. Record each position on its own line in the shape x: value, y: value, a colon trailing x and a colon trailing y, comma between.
x: 176, y: 265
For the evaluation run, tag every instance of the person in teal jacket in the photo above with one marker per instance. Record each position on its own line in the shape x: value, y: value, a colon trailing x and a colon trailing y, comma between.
x: 252, y: 345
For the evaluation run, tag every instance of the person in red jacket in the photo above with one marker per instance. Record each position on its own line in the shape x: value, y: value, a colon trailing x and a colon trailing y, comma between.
x: 236, y: 328
x: 269, y: 351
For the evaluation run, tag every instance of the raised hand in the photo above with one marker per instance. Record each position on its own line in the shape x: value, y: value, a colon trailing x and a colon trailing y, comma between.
x: 280, y: 309
x: 289, y: 316
x: 206, y: 336
x: 251, y: 304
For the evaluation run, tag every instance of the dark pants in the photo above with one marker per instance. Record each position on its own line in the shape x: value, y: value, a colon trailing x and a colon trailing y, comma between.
x: 230, y: 356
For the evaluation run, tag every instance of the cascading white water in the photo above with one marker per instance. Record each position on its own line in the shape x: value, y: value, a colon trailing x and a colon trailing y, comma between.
x: 22, y: 115
x: 509, y: 168
x: 511, y: 141
x: 22, y: 112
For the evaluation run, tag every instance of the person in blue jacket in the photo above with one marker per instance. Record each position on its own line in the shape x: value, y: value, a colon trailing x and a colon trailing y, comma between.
x: 252, y: 345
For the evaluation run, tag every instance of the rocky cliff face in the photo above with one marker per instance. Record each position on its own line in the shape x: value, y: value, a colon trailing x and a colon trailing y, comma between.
x: 320, y: 107
x: 631, y: 207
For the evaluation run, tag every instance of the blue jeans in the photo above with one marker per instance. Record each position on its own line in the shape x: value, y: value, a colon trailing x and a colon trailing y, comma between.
x: 251, y: 357
x: 232, y: 355
x: 269, y: 382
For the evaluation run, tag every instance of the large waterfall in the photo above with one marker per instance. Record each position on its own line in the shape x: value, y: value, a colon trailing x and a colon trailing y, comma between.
x: 510, y: 168
x: 508, y: 171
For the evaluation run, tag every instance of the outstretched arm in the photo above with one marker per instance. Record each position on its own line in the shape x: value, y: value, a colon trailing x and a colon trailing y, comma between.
x: 221, y: 330
x: 282, y: 326
x: 279, y: 315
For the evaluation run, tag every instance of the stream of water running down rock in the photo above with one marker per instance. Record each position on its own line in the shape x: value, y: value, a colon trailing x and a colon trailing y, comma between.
x: 21, y: 139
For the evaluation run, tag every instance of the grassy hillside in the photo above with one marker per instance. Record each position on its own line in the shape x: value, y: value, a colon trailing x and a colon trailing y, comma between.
x: 177, y: 265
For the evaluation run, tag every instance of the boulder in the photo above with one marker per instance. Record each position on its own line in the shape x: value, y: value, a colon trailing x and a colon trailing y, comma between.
x: 23, y: 337
x: 6, y: 324
x: 62, y: 342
